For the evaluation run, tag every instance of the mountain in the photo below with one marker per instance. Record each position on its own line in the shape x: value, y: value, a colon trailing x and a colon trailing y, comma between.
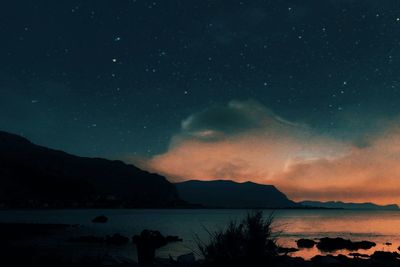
x: 343, y: 205
x: 35, y: 176
x: 229, y: 194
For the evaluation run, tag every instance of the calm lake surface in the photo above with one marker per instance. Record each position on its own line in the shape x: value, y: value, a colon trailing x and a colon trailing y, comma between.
x: 378, y: 226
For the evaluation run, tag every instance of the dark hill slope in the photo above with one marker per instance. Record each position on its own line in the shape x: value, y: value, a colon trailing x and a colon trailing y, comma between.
x: 35, y: 176
x: 351, y: 206
x: 229, y: 194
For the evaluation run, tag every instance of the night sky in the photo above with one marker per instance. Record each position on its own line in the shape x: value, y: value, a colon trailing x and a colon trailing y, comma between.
x: 123, y: 78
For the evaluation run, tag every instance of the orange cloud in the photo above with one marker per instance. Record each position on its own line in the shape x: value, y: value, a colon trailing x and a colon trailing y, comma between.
x: 371, y: 173
x: 247, y: 157
x: 245, y: 141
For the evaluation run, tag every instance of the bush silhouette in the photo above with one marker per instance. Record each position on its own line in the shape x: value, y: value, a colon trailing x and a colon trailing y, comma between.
x: 248, y: 243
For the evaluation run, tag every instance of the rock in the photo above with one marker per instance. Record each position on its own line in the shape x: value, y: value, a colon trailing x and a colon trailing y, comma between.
x: 286, y: 261
x: 332, y: 244
x: 305, y: 243
x: 100, y: 219
x: 388, y: 244
x: 325, y: 261
x: 362, y: 245
x: 117, y: 239
x: 147, y: 243
x: 186, y: 258
x: 385, y: 256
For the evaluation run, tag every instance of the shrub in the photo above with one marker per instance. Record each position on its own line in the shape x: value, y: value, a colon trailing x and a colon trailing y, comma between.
x: 248, y: 243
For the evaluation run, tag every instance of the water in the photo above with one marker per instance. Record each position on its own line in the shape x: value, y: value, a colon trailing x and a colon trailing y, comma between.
x: 378, y: 226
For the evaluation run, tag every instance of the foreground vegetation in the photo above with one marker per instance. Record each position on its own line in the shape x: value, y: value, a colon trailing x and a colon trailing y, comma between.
x: 251, y: 242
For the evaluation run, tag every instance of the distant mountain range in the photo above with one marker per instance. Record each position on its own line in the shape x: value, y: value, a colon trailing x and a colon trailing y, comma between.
x: 229, y: 194
x: 343, y: 205
x: 35, y: 176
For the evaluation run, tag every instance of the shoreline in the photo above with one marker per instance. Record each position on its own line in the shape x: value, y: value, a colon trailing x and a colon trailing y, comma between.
x: 190, y: 208
x: 22, y: 246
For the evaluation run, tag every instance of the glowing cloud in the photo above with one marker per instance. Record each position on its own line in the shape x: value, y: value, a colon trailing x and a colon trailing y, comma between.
x: 369, y: 173
x: 245, y: 141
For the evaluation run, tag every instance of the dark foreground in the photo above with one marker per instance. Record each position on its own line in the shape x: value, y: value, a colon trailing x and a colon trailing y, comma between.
x: 14, y: 251
x: 29, y: 257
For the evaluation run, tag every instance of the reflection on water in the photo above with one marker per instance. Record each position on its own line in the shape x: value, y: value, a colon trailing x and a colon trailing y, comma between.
x: 381, y: 227
x: 378, y: 226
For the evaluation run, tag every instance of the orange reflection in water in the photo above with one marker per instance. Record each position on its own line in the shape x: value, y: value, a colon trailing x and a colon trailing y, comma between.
x: 380, y: 227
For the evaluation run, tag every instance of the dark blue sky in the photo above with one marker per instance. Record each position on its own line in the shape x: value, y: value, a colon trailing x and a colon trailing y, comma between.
x: 109, y: 78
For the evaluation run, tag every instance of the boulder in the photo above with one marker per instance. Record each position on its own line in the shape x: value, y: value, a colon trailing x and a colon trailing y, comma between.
x: 147, y: 243
x: 286, y: 261
x: 305, y: 243
x: 332, y: 244
x: 385, y: 256
x: 325, y: 261
x: 100, y: 219
x: 362, y: 245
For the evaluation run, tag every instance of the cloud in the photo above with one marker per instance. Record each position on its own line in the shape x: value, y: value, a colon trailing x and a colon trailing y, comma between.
x: 220, y: 122
x: 245, y: 141
x: 370, y: 173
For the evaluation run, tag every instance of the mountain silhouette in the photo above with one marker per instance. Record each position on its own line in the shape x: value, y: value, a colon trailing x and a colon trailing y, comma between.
x: 35, y: 176
x: 229, y: 194
x: 344, y: 205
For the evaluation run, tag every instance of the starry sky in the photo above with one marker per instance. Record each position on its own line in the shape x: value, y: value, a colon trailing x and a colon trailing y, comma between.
x: 301, y: 83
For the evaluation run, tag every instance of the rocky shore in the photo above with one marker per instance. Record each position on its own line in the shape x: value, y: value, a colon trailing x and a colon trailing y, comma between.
x: 28, y: 256
x: 14, y: 252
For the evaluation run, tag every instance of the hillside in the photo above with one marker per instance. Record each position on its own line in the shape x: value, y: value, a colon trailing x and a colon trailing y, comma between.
x: 35, y: 176
x: 343, y: 205
x: 229, y: 194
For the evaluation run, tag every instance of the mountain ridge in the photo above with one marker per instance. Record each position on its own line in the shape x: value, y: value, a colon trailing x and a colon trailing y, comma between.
x: 230, y: 194
x: 348, y: 205
x: 36, y: 176
x: 33, y: 176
